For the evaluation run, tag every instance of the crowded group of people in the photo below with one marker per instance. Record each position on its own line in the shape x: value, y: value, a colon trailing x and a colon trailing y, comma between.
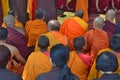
x: 45, y: 49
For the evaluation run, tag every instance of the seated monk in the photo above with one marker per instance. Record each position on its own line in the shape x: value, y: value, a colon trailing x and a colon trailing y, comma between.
x: 16, y: 58
x: 55, y: 37
x: 17, y: 23
x: 17, y: 37
x: 96, y: 39
x: 5, y: 74
x: 107, y: 64
x: 35, y: 28
x: 79, y: 62
x: 109, y: 26
x: 73, y: 27
x: 115, y: 49
x: 38, y: 62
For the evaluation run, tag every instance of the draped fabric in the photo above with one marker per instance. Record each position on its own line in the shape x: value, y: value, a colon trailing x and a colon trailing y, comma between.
x: 1, y: 14
x: 36, y: 64
x: 34, y: 29
x: 72, y: 28
x: 77, y: 66
x: 83, y: 5
x: 20, y: 8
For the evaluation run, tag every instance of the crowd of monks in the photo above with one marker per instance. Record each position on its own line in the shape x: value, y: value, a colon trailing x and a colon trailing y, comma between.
x: 27, y: 20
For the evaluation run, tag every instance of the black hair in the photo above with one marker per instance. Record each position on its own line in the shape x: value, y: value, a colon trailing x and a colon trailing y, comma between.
x: 4, y: 56
x: 79, y: 42
x: 106, y: 61
x: 60, y: 55
x: 115, y: 42
x: 40, y: 13
x: 79, y: 13
x: 3, y: 33
x: 12, y: 12
x: 43, y: 42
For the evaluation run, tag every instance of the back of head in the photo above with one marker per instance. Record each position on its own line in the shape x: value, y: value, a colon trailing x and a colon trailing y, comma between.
x: 79, y: 13
x: 60, y: 55
x: 98, y: 22
x: 115, y: 42
x: 107, y: 62
x: 53, y: 25
x: 110, y: 15
x: 3, y: 33
x: 40, y: 13
x: 79, y: 42
x: 9, y: 21
x: 4, y: 56
x: 43, y: 42
x: 12, y: 12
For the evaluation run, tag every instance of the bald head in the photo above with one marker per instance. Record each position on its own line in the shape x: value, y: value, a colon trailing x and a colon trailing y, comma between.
x: 9, y: 21
x: 110, y: 15
x: 53, y: 25
x: 79, y: 13
x: 98, y: 22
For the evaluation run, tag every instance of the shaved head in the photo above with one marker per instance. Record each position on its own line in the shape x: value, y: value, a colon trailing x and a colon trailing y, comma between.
x: 53, y: 25
x: 98, y: 22
x: 110, y: 14
x: 9, y: 21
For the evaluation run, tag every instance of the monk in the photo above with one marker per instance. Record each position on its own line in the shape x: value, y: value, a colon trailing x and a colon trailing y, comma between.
x: 17, y: 23
x: 35, y: 28
x: 82, y: 5
x: 20, y: 7
x: 116, y: 5
x: 16, y: 58
x: 79, y: 62
x: 109, y: 26
x: 73, y: 27
x: 54, y: 35
x: 114, y: 48
x: 102, y: 6
x: 96, y: 39
x: 17, y: 37
x: 48, y: 5
x: 38, y: 62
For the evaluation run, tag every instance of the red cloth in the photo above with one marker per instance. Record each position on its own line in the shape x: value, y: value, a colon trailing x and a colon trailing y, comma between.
x: 33, y: 9
x: 117, y: 4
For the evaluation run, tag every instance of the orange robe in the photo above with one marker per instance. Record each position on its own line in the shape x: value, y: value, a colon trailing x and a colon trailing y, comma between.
x: 77, y: 66
x: 37, y: 63
x: 96, y: 40
x: 34, y: 29
x: 17, y: 24
x: 83, y: 5
x: 94, y: 73
x: 54, y: 38
x: 72, y: 28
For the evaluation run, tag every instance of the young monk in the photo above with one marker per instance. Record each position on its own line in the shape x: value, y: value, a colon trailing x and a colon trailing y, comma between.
x: 38, y: 62
x: 79, y: 62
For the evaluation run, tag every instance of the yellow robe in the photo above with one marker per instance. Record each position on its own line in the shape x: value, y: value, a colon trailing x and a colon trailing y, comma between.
x: 77, y: 66
x: 37, y: 63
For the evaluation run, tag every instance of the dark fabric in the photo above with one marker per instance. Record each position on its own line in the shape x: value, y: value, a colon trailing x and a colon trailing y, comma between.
x: 54, y: 74
x: 109, y: 77
x: 1, y: 16
x: 110, y: 28
x: 49, y: 7
x: 20, y: 6
x: 118, y: 28
x: 7, y: 75
x: 18, y: 40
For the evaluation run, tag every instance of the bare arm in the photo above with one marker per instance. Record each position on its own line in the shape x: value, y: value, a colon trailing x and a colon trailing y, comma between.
x: 97, y: 2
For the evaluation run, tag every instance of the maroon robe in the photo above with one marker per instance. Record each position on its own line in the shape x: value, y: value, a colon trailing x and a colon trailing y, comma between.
x: 18, y: 40
x: 117, y: 4
x: 1, y: 16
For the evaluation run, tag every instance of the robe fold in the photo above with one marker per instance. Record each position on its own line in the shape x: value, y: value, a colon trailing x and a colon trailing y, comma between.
x: 36, y: 64
x: 96, y: 40
x: 77, y: 66
x: 34, y: 29
x: 72, y: 28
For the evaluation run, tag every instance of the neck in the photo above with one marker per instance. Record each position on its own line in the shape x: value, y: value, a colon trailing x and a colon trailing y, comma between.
x: 79, y: 51
x: 43, y: 50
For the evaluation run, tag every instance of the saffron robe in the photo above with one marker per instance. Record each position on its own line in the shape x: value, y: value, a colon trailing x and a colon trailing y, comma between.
x: 37, y: 63
x: 34, y: 29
